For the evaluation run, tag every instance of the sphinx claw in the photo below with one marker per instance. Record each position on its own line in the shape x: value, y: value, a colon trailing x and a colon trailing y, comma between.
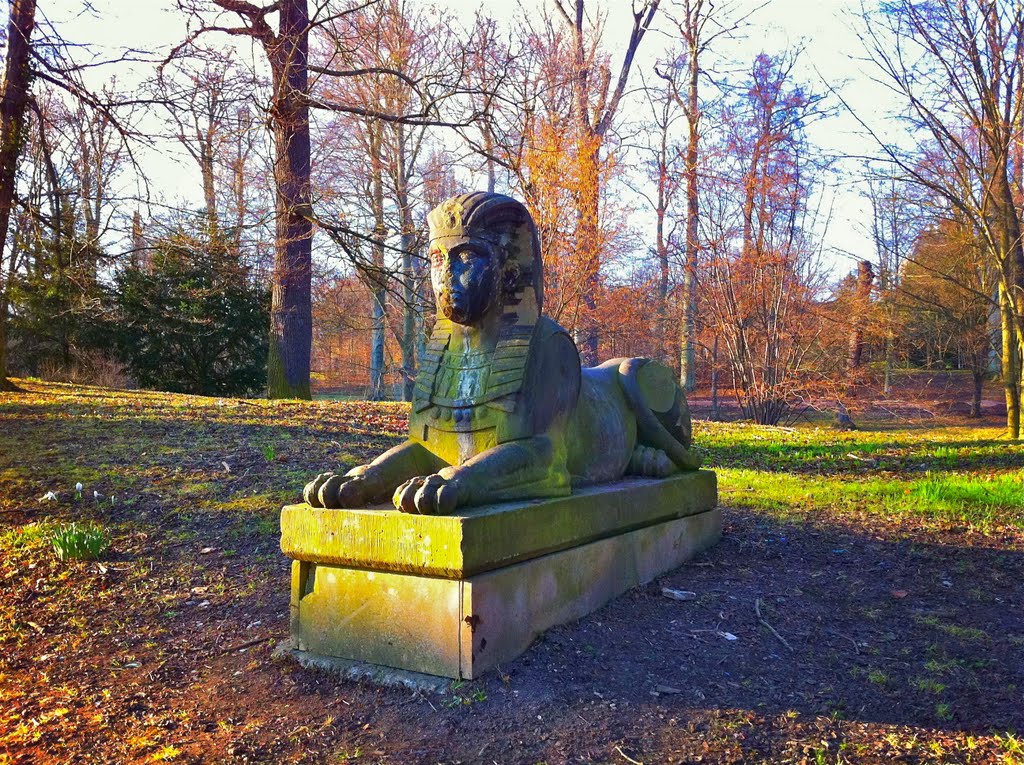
x: 328, y: 491
x: 447, y: 499
x: 310, y: 494
x: 425, y: 499
x: 405, y: 495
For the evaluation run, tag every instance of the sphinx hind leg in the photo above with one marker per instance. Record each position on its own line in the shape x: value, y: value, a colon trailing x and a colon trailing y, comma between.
x: 662, y: 418
x: 650, y: 462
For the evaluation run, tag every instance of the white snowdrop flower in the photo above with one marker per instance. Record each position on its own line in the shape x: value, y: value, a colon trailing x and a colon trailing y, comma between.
x: 48, y: 497
x: 78, y: 487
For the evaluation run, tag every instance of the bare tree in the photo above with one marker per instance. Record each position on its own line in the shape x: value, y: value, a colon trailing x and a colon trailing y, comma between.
x: 959, y: 66
x: 595, y: 104
x: 287, y: 51
x: 13, y: 104
x: 698, y: 24
x: 665, y: 167
x: 202, y: 102
x: 761, y: 277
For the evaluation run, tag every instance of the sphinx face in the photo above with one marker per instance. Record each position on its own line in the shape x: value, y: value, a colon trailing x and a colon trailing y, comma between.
x: 465, y: 274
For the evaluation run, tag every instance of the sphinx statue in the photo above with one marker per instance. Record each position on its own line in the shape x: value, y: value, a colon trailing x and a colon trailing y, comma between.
x: 502, y: 409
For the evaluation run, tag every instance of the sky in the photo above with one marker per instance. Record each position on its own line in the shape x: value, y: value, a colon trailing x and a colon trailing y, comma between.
x: 832, y: 59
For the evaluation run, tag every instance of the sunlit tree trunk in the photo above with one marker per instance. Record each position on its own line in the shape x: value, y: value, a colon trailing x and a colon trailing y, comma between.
x: 1010, y: 364
x: 688, y: 339
x: 13, y: 102
x: 858, y: 322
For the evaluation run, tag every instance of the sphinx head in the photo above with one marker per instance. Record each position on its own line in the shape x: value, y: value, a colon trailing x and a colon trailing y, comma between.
x: 484, y: 257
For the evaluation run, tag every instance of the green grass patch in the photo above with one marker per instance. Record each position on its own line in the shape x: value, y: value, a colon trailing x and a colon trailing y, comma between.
x: 955, y: 630
x: 958, y: 491
x: 964, y: 498
x: 30, y: 536
x: 79, y: 541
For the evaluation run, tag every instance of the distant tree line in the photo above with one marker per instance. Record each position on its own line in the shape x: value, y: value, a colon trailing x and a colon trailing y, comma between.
x: 317, y: 159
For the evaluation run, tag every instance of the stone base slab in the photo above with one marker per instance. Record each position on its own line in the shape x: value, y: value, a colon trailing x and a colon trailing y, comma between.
x: 462, y: 627
x: 480, y: 539
x: 377, y: 674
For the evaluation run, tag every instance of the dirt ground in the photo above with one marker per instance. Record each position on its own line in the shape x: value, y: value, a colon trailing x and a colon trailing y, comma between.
x: 830, y: 639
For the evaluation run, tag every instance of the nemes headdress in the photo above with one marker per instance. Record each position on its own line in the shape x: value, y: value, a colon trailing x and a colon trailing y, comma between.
x: 506, y: 224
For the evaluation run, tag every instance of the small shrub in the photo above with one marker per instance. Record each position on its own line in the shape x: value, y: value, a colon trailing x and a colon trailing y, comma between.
x: 75, y: 541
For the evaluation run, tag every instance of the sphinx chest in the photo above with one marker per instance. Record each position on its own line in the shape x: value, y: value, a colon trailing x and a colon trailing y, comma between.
x: 462, y: 376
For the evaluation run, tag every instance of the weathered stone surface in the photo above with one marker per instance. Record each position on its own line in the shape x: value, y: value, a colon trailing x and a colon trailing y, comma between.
x: 361, y: 670
x: 482, y: 539
x: 502, y: 413
x: 461, y: 627
x: 502, y: 409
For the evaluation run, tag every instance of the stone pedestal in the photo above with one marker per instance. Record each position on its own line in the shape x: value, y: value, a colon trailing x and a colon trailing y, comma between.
x: 456, y: 595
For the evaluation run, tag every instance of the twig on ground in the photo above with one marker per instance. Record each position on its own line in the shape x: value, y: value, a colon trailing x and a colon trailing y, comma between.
x: 771, y: 629
x: 846, y: 637
x: 626, y: 756
x: 246, y: 644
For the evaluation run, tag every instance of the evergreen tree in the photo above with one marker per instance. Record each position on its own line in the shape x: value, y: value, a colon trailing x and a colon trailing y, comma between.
x: 192, y: 319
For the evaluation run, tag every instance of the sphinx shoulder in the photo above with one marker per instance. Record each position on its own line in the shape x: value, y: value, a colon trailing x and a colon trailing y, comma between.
x: 554, y: 379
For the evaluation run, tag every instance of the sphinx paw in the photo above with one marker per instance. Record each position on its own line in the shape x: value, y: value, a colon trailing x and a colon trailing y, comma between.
x: 332, y: 491
x: 428, y: 495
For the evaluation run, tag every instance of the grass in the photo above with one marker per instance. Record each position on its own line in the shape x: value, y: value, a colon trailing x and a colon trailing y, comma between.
x: 960, y: 474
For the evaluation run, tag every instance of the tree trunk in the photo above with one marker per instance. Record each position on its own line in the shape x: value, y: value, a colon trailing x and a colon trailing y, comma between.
x: 378, y: 316
x: 5, y: 384
x: 862, y: 302
x: 661, y: 245
x: 408, y: 241
x: 13, y: 102
x: 978, y: 377
x: 377, y: 286
x: 716, y: 413
x: 887, y: 380
x: 588, y: 251
x: 492, y: 175
x: 291, y: 319
x: 687, y: 356
x: 1011, y: 364
x: 1011, y: 297
x: 408, y: 318
x: 209, y: 192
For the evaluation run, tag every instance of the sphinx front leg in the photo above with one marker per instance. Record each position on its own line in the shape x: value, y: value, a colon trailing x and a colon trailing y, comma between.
x: 368, y: 484
x: 493, y: 475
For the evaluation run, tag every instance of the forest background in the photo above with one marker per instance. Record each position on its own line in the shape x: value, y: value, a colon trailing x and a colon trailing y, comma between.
x: 684, y: 205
